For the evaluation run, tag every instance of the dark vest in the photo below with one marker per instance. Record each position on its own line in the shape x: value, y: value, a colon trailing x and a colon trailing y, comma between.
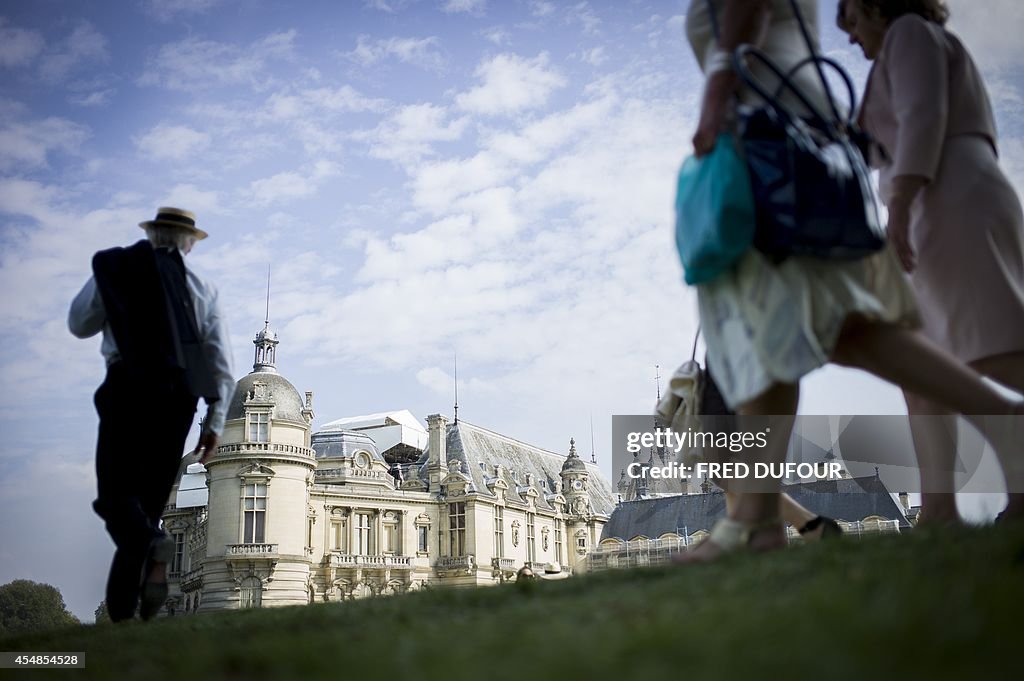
x: 150, y: 311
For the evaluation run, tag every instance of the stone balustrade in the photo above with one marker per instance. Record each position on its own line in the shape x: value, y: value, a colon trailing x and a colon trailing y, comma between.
x: 344, y: 474
x: 506, y: 564
x: 347, y: 560
x: 250, y: 550
x: 455, y: 562
x: 265, y: 448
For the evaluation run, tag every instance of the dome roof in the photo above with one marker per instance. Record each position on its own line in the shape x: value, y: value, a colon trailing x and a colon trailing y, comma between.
x: 343, y: 444
x: 288, y: 404
x: 573, y: 462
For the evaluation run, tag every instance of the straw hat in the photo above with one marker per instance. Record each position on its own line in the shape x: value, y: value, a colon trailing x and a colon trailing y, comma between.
x: 175, y: 217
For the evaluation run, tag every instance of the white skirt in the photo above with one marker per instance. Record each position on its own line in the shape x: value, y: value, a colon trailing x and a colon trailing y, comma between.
x: 766, y: 323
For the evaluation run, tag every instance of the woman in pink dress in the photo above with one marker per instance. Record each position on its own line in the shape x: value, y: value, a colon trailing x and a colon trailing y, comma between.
x: 954, y: 219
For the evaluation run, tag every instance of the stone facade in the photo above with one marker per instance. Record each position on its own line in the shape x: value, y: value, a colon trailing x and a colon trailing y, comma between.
x: 289, y: 516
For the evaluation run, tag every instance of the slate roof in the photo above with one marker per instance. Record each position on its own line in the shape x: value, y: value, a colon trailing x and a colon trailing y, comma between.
x: 481, y: 450
x: 849, y: 499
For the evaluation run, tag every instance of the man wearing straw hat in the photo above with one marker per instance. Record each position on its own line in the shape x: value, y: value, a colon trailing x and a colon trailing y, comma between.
x: 165, y: 345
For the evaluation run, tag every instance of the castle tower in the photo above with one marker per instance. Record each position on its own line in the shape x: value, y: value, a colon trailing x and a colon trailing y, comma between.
x: 259, y: 529
x: 578, y: 508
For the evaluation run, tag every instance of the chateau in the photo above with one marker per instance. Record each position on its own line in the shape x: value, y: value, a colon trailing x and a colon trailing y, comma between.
x: 367, y: 505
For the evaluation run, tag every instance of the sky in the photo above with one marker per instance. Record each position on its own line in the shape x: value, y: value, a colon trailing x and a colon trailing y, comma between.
x: 425, y: 179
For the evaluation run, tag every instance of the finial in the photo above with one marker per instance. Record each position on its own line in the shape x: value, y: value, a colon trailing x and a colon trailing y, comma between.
x: 572, y: 448
x: 657, y: 379
x: 456, y: 355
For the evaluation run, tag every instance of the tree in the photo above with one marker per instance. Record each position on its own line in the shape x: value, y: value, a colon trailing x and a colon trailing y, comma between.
x: 27, y: 606
x: 101, y: 615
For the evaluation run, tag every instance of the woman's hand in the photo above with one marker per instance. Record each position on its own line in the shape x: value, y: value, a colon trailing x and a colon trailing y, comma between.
x: 713, y: 112
x: 904, y: 189
x: 898, y: 230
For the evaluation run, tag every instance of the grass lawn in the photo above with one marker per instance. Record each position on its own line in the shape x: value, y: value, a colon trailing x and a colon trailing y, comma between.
x: 919, y: 605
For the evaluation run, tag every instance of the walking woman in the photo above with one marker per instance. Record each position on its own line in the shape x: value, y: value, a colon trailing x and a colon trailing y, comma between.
x: 766, y: 325
x: 954, y: 218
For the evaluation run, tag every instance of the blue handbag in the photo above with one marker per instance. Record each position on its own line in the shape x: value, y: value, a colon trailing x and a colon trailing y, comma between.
x: 714, y: 212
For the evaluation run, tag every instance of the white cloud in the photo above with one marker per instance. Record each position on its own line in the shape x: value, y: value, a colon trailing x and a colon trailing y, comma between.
x: 469, y: 6
x: 83, y: 45
x: 18, y: 46
x: 410, y: 133
x: 541, y: 9
x: 990, y: 30
x: 27, y: 145
x: 165, y: 10
x: 595, y: 56
x: 95, y: 98
x: 193, y: 63
x: 511, y: 84
x: 191, y: 197
x: 292, y: 104
x: 497, y: 35
x: 421, y: 52
x: 291, y: 185
x: 176, y: 142
x: 582, y: 14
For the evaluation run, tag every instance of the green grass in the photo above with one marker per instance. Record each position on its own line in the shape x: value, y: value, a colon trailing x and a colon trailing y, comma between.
x: 938, y: 605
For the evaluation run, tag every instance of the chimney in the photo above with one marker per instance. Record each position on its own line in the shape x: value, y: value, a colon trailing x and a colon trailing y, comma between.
x: 437, y: 459
x: 905, y: 501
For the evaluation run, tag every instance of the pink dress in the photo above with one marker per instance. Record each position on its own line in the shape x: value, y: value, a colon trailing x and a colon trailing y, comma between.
x: 927, y: 107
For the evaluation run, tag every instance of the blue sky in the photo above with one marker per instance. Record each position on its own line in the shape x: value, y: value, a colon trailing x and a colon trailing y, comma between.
x: 423, y: 177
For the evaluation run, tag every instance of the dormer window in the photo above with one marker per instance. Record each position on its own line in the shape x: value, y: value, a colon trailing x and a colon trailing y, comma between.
x: 259, y: 427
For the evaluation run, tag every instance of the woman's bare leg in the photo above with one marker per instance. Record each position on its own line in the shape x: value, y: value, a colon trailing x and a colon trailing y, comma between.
x: 914, y: 363
x: 1007, y: 369
x: 935, y: 434
x: 760, y: 511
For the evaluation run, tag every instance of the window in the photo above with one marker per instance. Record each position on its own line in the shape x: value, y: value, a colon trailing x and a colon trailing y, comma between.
x: 499, y: 532
x: 558, y: 541
x: 338, y: 535
x: 362, y: 547
x: 457, y: 528
x: 255, y: 505
x: 531, y: 537
x: 259, y: 427
x: 389, y: 539
x: 251, y: 593
x: 178, y: 562
x: 421, y: 538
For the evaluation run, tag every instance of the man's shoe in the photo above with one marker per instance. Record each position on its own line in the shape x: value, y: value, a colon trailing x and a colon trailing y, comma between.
x: 153, y: 594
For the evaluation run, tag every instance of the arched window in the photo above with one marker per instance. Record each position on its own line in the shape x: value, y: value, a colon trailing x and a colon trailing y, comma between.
x: 251, y: 593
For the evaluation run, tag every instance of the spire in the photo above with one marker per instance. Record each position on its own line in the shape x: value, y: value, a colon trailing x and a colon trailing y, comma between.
x: 266, y: 341
x: 456, y: 387
x: 657, y: 380
x: 593, y: 458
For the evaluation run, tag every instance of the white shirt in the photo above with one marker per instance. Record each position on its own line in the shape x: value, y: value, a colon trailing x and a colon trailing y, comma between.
x: 87, y: 317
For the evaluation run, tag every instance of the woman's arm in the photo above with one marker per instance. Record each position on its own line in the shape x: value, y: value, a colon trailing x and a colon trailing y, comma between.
x: 742, y: 21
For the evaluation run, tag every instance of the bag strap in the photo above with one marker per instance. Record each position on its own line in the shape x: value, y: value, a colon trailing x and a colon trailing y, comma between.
x: 693, y: 353
x: 814, y: 57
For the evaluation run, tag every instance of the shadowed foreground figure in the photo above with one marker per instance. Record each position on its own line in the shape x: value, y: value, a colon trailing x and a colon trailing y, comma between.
x: 165, y: 346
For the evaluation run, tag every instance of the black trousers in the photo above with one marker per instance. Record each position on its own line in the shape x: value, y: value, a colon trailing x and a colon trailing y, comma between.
x: 144, y: 421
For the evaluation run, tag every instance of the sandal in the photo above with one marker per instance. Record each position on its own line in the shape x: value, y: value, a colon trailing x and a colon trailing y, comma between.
x: 731, y: 536
x: 829, y: 529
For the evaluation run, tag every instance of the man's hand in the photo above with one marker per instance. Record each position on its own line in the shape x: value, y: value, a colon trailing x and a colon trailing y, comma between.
x: 207, y: 446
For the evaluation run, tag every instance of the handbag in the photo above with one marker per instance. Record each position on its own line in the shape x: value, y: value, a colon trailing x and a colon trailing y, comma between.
x: 714, y: 212
x: 812, y: 189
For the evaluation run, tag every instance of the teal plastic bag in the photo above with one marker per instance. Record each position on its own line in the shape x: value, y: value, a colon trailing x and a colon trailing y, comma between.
x: 714, y: 212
